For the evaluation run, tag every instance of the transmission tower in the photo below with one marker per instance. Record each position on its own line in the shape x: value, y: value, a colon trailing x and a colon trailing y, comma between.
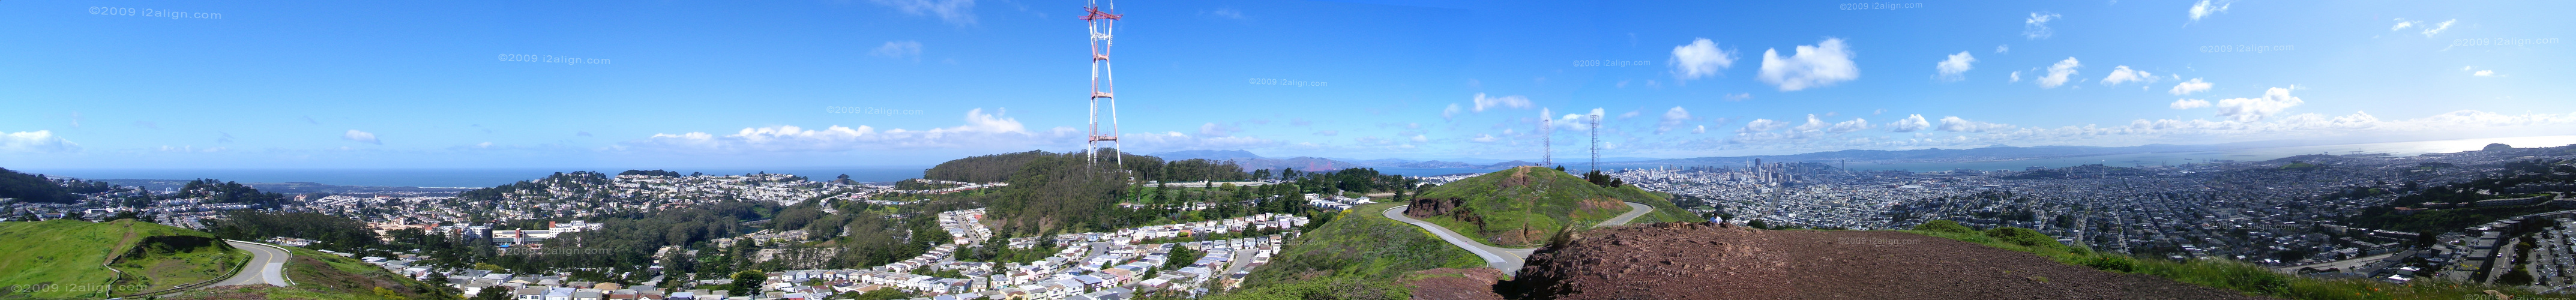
x: 1101, y: 19
x: 1596, y: 141
x: 1546, y: 139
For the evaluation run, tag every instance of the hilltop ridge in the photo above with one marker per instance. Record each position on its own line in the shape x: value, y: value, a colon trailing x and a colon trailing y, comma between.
x: 1523, y: 206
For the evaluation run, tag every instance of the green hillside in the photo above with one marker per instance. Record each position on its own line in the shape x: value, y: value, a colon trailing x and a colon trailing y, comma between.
x: 320, y: 275
x: 62, y: 259
x: 1523, y: 206
x: 1359, y: 250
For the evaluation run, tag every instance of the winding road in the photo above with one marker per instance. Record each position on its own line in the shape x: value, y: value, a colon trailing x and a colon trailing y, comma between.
x: 1509, y: 260
x: 267, y: 265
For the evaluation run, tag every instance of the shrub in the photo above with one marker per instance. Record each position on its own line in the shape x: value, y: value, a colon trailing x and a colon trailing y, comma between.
x: 2112, y: 262
x: 2021, y: 236
x: 1944, y: 226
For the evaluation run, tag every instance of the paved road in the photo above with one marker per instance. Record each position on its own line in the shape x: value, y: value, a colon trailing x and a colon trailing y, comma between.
x: 267, y: 265
x: 1507, y: 259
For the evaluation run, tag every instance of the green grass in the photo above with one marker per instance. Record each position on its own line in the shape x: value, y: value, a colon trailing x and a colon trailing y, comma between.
x: 1361, y: 245
x: 2219, y: 273
x: 318, y: 275
x: 1522, y: 206
x: 62, y: 259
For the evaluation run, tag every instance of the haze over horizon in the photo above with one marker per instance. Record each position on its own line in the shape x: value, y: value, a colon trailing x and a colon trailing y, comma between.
x: 916, y: 82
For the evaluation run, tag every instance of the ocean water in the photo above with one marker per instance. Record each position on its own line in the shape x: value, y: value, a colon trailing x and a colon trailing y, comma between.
x: 442, y: 177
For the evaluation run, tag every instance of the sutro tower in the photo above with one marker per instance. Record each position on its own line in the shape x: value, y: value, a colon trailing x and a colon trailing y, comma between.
x: 1101, y: 20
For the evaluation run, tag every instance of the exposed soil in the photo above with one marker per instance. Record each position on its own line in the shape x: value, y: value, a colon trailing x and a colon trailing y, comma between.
x: 1705, y: 261
x: 1455, y: 284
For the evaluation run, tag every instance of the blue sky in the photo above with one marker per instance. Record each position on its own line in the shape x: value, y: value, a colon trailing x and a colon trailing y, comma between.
x: 126, y: 84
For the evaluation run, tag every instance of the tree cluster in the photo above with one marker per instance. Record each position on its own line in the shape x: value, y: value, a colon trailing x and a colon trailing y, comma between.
x: 650, y: 173
x: 327, y: 231
x: 33, y: 188
x: 215, y: 191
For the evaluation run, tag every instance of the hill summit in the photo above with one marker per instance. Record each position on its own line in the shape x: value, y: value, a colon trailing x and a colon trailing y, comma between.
x: 1523, y: 206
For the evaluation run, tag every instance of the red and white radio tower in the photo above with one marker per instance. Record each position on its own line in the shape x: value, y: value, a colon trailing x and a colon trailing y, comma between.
x: 1102, y: 20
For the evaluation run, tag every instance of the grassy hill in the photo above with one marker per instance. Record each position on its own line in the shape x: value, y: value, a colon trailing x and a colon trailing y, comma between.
x: 1359, y: 251
x: 320, y: 275
x: 70, y: 259
x: 1523, y: 206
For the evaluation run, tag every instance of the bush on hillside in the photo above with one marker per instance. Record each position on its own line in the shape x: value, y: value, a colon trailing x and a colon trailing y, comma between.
x: 1944, y: 226
x: 2021, y: 236
x: 2112, y: 262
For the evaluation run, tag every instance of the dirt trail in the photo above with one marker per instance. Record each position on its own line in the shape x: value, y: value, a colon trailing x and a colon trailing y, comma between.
x: 1702, y: 261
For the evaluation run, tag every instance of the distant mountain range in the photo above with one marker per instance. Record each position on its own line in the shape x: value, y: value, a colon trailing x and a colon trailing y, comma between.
x: 1990, y: 153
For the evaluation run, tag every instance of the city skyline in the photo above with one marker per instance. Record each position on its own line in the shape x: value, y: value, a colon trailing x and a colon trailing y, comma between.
x: 166, y: 84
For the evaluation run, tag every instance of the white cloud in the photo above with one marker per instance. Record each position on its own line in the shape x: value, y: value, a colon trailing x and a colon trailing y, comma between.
x: 1175, y: 141
x: 361, y: 136
x: 899, y: 50
x: 1672, y: 118
x: 40, y: 141
x: 1699, y: 59
x: 2057, y: 73
x: 2484, y: 73
x: 2255, y: 109
x: 1951, y: 68
x: 2204, y: 9
x: 2036, y: 27
x: 1812, y: 66
x: 1956, y: 124
x: 1484, y: 138
x: 2402, y: 23
x: 1505, y: 101
x: 2001, y: 49
x: 1214, y: 129
x: 980, y: 130
x: 2016, y: 76
x: 1812, y: 124
x: 1739, y: 96
x: 1700, y: 130
x: 1910, y: 123
x: 1761, y: 125
x: 2438, y: 28
x: 2188, y: 87
x: 1855, y: 124
x: 1452, y: 112
x: 2188, y: 104
x: 1421, y: 139
x: 2122, y: 74
x: 1228, y: 13
x: 959, y: 12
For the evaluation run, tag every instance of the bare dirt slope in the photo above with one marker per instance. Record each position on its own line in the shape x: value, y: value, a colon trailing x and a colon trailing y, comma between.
x: 1704, y: 261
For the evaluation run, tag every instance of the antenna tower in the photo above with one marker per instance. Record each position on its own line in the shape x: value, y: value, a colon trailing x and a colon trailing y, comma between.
x: 1546, y: 139
x: 1596, y: 142
x: 1102, y: 19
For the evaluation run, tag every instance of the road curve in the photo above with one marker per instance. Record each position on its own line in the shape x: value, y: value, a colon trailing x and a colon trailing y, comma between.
x: 267, y: 265
x: 1509, y: 260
